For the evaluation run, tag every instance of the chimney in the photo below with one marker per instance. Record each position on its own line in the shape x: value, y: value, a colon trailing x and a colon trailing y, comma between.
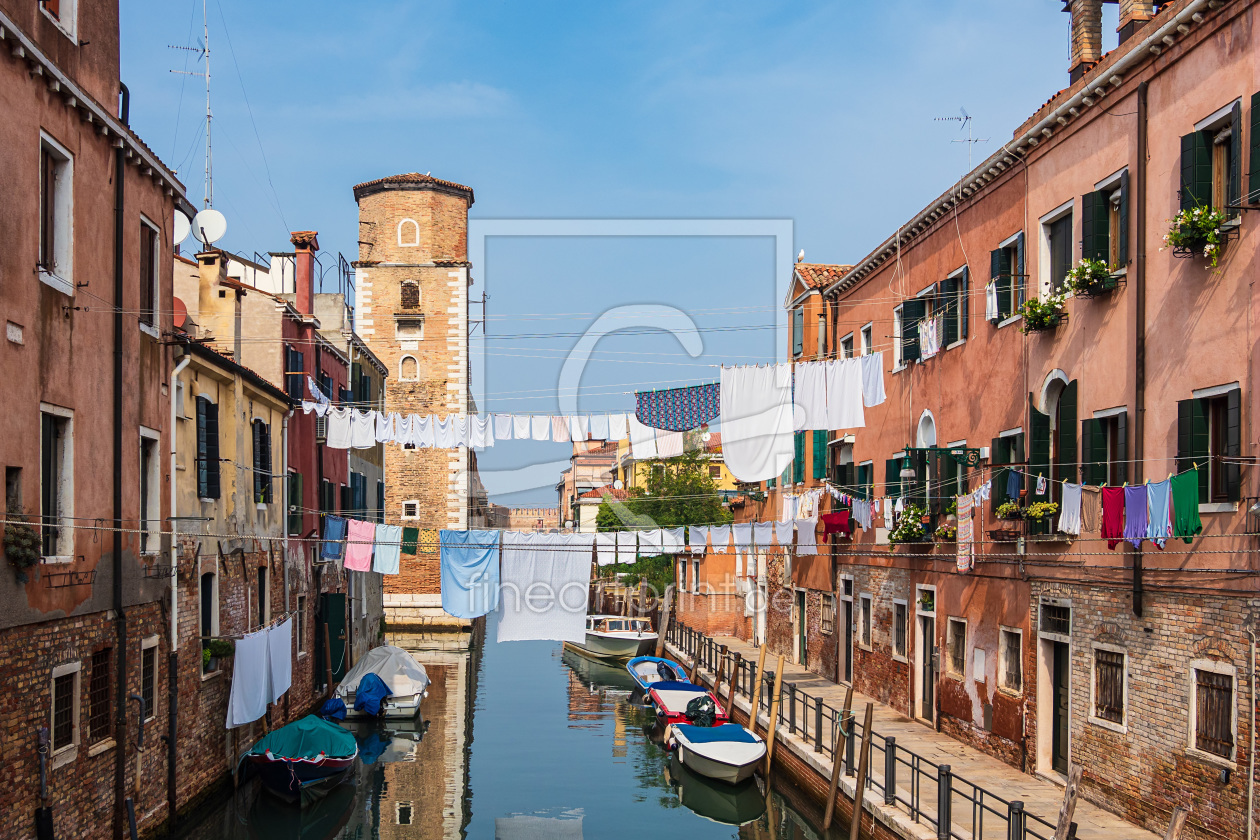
x: 1133, y: 16
x: 305, y: 244
x: 1086, y: 36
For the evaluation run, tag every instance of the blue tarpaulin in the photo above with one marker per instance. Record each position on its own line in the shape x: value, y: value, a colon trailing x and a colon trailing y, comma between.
x: 333, y: 709
x: 370, y: 693
x: 729, y: 732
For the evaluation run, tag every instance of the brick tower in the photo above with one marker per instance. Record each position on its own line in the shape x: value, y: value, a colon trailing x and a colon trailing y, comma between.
x: 411, y: 300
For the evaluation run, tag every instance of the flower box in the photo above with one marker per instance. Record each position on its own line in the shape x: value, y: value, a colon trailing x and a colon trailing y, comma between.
x: 1198, y: 232
x: 1045, y: 324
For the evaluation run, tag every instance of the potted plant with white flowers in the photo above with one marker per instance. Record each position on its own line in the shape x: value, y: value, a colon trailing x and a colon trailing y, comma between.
x: 1045, y: 313
x: 1197, y: 232
x: 1090, y: 278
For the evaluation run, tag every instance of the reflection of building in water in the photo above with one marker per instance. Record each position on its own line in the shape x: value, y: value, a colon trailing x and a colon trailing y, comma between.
x: 537, y: 828
x: 586, y: 702
x: 428, y: 796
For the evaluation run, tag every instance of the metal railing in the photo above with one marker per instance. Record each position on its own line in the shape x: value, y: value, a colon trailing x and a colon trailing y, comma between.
x: 932, y: 793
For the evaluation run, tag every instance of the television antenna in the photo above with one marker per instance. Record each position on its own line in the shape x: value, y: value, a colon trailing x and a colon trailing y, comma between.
x: 965, y: 119
x: 203, y: 51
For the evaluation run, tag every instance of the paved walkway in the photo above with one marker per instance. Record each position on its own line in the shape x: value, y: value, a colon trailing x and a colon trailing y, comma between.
x: 1041, y: 798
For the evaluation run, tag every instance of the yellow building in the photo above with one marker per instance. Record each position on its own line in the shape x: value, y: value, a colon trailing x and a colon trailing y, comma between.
x: 633, y: 473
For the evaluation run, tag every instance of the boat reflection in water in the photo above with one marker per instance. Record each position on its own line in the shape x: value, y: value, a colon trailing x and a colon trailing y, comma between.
x: 729, y: 804
x: 323, y: 820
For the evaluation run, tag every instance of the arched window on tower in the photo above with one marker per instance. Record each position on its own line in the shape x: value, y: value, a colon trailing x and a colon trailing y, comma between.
x: 408, y: 369
x: 409, y: 294
x: 408, y: 234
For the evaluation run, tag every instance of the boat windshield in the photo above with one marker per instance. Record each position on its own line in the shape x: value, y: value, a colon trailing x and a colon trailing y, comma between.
x: 616, y: 625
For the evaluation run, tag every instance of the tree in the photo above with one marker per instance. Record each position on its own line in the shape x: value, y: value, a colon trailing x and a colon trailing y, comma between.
x: 678, y: 492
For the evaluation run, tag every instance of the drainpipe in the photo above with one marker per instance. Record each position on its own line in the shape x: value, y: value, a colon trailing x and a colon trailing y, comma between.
x: 120, y: 618
x: 1139, y: 345
x: 286, y: 501
x: 1251, y: 762
x: 172, y: 665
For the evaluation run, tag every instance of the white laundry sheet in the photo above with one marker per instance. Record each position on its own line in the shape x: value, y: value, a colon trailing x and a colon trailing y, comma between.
x: 545, y: 580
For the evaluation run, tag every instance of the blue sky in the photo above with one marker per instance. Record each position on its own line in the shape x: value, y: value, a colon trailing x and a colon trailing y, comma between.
x: 821, y: 113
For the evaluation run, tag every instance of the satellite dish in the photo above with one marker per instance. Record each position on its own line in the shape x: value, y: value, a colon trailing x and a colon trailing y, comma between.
x: 617, y: 484
x: 182, y: 227
x: 706, y: 437
x: 208, y: 226
x: 181, y: 313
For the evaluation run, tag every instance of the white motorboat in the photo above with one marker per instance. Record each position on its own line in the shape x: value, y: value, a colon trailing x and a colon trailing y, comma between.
x: 406, y: 679
x: 616, y: 637
x: 728, y: 753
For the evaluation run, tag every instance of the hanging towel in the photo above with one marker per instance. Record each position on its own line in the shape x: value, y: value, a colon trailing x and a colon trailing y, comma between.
x: 470, y: 572
x: 1158, y: 500
x: 873, y: 379
x: 627, y: 547
x: 678, y: 409
x: 1014, y: 483
x: 806, y: 538
x: 845, y: 394
x: 757, y: 421
x: 1135, y: 514
x: 385, y: 427
x: 1185, y: 504
x: 651, y: 542
x: 698, y: 537
x: 557, y: 581
x: 540, y: 427
x: 503, y: 427
x: 721, y: 537
x: 991, y: 302
x: 673, y: 540
x: 783, y: 533
x: 317, y: 394
x: 929, y: 343
x: 1091, y: 509
x: 1070, y: 509
x: 279, y: 660
x: 410, y: 536
x: 670, y: 444
x: 386, y: 551
x: 742, y: 533
x: 577, y: 427
x: 480, y: 431
x: 424, y: 430
x: 363, y: 429
x: 809, y: 394
x: 606, y: 547
x: 521, y: 424
x: 338, y: 428
x: 560, y: 429
x: 618, y: 426
x: 463, y: 429
x: 964, y: 534
x: 360, y: 536
x: 642, y: 441
x: 334, y: 538
x: 251, y: 679
x: 762, y: 533
x: 599, y: 427
x: 1113, y: 516
x: 836, y: 522
x: 444, y: 432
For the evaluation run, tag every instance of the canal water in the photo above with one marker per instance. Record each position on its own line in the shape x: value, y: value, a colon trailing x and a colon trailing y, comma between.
x: 518, y: 741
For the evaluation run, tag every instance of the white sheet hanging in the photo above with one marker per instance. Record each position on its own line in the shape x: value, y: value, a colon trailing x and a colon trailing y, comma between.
x: 606, y: 547
x: 669, y: 444
x: 651, y: 542
x: 279, y: 659
x: 783, y: 533
x: 557, y: 580
x: 698, y: 537
x: 721, y: 537
x: 810, y: 393
x: 385, y: 427
x: 763, y: 532
x: 844, y: 394
x: 338, y: 428
x: 742, y: 533
x: 424, y: 430
x: 579, y: 427
x: 445, y: 433
x: 599, y: 427
x: 673, y: 540
x: 560, y: 429
x: 627, y: 547
x: 480, y: 431
x: 521, y: 424
x: 642, y: 441
x: 362, y: 429
x: 618, y: 427
x: 873, y: 379
x: 540, y: 427
x: 251, y: 679
x: 806, y: 539
x: 503, y: 426
x: 756, y: 412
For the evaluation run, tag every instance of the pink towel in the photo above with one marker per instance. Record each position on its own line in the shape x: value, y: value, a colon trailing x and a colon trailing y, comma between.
x: 359, y: 539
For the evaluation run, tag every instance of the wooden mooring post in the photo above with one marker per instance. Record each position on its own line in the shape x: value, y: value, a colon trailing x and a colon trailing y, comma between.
x: 845, y: 719
x: 756, y: 691
x: 864, y: 766
x: 663, y: 624
x: 774, y: 720
x: 720, y: 674
x: 1064, y: 828
x: 730, y: 693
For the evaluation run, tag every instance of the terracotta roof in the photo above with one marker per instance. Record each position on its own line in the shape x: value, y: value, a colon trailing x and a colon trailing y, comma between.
x: 606, y: 490
x: 818, y: 275
x: 409, y: 181
x: 714, y: 443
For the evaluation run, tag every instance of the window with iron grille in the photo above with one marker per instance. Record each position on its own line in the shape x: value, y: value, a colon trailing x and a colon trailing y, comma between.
x: 899, y: 629
x: 957, y: 646
x: 1012, y: 661
x: 262, y: 462
x: 63, y: 701
x: 1056, y: 619
x: 828, y: 614
x: 1109, y: 685
x: 864, y: 628
x: 1214, y: 713
x: 148, y: 679
x: 99, y: 705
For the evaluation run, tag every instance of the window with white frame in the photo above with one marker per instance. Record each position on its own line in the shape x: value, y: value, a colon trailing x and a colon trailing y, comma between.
x: 897, y: 358
x: 900, y: 623
x: 411, y: 509
x: 1058, y: 248
x: 695, y: 576
x: 1109, y: 685
x: 1010, y: 660
x: 56, y: 215
x: 827, y: 615
x: 408, y: 369
x: 148, y: 676
x: 408, y: 234
x: 64, y: 14
x: 150, y: 491
x: 402, y: 813
x: 865, y: 610
x: 1213, y: 712
x: 56, y: 483
x: 868, y: 339
x: 64, y: 711
x: 149, y: 262
x: 957, y: 644
x: 846, y: 347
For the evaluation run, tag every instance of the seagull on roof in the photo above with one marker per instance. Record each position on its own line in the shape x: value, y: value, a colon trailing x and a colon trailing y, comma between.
x: 801, y: 256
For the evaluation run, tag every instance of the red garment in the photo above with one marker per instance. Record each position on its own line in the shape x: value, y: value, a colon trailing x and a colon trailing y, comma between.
x: 836, y: 523
x: 1113, y: 516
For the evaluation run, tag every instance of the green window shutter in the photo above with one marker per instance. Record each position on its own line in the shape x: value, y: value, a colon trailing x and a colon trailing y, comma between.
x: 962, y: 289
x: 1122, y: 248
x: 1093, y: 452
x: 820, y: 453
x: 949, y: 300
x: 997, y: 487
x: 921, y: 491
x: 770, y: 484
x: 210, y: 460
x: 798, y: 459
x: 798, y: 331
x: 1038, y: 444
x: 864, y: 480
x: 1233, y: 187
x: 1192, y: 441
x: 1019, y: 271
x: 1066, y: 434
x: 295, y: 503
x: 1000, y: 278
x: 1095, y: 227
x: 1233, y: 444
x: 1253, y: 183
x: 202, y: 471
x: 1122, y: 448
x: 1196, y: 171
x: 892, y: 478
x: 912, y: 312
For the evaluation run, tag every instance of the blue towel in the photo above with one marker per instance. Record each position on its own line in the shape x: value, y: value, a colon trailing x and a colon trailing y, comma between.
x: 334, y: 538
x: 1158, y: 496
x: 370, y: 693
x: 727, y: 732
x: 1014, y: 482
x: 470, y: 572
x: 1135, y: 514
